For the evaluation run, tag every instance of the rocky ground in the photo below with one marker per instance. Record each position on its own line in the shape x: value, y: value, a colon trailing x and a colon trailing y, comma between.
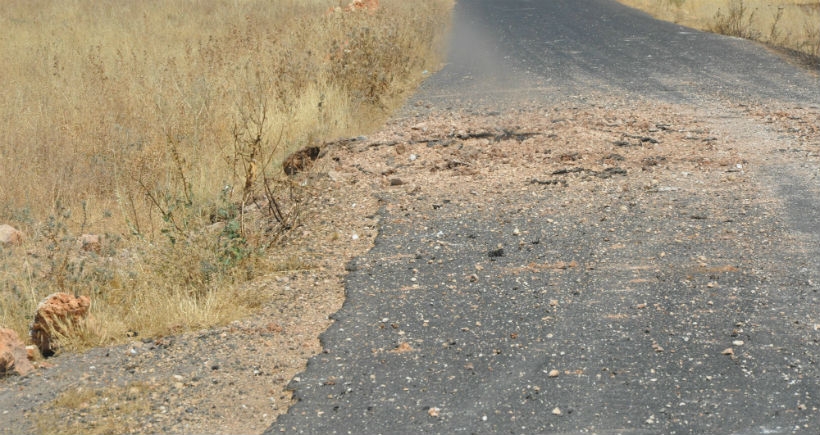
x: 234, y: 379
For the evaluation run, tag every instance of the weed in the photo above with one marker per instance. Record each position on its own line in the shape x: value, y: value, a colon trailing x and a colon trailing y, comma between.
x: 783, y: 24
x: 110, y: 410
x: 738, y: 21
x: 168, y: 139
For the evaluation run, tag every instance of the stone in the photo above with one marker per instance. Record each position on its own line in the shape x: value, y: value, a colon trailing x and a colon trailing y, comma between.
x: 91, y: 243
x: 33, y: 353
x: 59, y: 314
x: 363, y: 5
x: 300, y: 161
x: 13, y: 356
x: 10, y: 235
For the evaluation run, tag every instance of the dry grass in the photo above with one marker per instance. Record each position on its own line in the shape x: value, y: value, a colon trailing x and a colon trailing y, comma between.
x: 790, y: 24
x: 742, y: 21
x: 737, y: 21
x: 109, y: 410
x: 162, y: 126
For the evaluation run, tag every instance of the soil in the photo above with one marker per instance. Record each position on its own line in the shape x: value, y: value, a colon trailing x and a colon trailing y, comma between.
x: 234, y: 379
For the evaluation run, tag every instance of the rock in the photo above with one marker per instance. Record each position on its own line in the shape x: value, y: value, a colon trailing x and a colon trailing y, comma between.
x: 91, y: 243
x: 363, y: 5
x: 495, y: 253
x: 58, y: 314
x: 33, y: 353
x: 10, y: 235
x: 13, y: 355
x: 403, y: 347
x: 300, y: 161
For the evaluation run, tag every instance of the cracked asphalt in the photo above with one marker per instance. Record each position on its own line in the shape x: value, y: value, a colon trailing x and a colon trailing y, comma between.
x: 617, y: 309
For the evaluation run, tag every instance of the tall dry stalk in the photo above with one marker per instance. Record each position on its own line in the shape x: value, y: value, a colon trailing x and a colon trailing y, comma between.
x: 166, y: 117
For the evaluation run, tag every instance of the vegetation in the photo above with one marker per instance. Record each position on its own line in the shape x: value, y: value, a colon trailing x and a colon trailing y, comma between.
x: 741, y: 21
x: 161, y: 125
x: 787, y: 24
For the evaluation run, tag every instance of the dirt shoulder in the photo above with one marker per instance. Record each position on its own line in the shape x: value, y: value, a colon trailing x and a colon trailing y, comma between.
x: 235, y: 379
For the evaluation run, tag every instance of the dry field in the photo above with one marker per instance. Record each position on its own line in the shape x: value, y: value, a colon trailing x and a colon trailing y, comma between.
x: 791, y: 24
x: 161, y: 126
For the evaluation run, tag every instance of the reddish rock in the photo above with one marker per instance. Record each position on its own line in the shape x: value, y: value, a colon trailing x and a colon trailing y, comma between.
x: 363, y: 5
x: 91, y: 243
x: 58, y: 314
x: 300, y: 161
x: 10, y: 235
x: 33, y: 353
x: 13, y: 357
x: 370, y: 6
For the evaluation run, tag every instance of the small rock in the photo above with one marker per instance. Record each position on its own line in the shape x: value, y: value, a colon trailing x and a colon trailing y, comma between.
x: 434, y: 412
x: 403, y: 347
x: 737, y: 343
x: 363, y: 5
x: 556, y: 411
x: 728, y: 351
x: 58, y: 314
x: 495, y: 253
x: 13, y: 355
x: 10, y: 235
x: 396, y: 182
x: 554, y: 373
x: 91, y: 243
x: 299, y: 161
x: 33, y: 353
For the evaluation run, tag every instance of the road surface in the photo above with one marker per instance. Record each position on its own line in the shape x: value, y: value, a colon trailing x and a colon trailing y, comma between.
x: 691, y: 313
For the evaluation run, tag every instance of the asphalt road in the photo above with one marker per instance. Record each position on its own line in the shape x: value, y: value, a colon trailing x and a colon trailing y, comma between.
x: 483, y: 354
x: 548, y: 50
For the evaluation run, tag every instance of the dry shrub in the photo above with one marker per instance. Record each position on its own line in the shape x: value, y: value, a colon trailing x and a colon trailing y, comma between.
x: 811, y: 45
x: 787, y: 25
x: 738, y: 21
x: 162, y: 125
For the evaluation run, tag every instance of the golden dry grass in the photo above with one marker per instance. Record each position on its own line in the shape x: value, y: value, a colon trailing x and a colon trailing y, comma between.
x: 113, y: 409
x: 159, y: 124
x: 791, y: 24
